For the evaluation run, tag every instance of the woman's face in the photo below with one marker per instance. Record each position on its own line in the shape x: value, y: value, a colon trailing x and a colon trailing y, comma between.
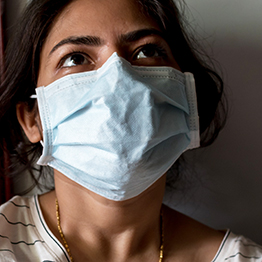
x: 88, y: 32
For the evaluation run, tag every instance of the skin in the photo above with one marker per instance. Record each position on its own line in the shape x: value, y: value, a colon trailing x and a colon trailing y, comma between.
x: 98, y: 229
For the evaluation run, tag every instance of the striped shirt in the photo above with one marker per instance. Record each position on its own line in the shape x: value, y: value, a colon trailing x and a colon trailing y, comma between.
x: 25, y: 237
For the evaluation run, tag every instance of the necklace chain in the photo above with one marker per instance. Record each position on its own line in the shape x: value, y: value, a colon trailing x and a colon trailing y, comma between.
x: 61, y: 232
x: 161, y: 253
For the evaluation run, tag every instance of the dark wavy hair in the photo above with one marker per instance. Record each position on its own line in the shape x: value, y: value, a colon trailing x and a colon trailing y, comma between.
x: 22, y: 65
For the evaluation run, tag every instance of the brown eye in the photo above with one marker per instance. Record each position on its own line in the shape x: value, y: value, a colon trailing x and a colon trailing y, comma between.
x: 149, y: 51
x: 75, y: 60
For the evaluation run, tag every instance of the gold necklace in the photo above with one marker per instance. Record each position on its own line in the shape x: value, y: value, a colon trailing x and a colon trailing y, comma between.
x: 61, y: 232
x: 161, y: 253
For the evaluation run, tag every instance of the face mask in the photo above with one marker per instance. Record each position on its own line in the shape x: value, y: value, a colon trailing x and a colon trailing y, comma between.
x: 117, y: 130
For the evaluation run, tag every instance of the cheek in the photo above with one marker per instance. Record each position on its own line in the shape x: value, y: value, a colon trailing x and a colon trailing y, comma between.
x: 41, y: 71
x: 44, y: 77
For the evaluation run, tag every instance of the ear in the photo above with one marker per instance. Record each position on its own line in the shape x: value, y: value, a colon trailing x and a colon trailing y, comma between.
x: 29, y: 122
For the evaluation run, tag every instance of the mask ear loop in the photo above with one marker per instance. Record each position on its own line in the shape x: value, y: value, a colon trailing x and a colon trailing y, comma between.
x: 33, y: 96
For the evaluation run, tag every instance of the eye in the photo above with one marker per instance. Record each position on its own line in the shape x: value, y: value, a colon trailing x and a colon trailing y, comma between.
x: 74, y: 59
x: 149, y: 51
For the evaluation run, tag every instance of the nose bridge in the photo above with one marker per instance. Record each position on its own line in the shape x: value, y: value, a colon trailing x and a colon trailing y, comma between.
x: 111, y: 48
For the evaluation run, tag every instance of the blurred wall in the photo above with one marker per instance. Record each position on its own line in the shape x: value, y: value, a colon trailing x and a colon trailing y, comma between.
x: 227, y: 188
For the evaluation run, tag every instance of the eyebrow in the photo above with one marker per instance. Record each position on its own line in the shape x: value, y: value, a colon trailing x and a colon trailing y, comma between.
x: 81, y: 40
x: 138, y: 34
x: 97, y: 41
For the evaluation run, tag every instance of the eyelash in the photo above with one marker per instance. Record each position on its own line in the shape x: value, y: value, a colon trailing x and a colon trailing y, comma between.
x: 161, y: 51
x: 158, y: 48
x: 61, y: 62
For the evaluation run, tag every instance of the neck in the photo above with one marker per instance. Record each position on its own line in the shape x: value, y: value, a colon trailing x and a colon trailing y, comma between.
x: 116, y: 230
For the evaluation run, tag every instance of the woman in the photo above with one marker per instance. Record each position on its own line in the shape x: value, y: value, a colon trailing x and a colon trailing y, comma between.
x: 111, y: 113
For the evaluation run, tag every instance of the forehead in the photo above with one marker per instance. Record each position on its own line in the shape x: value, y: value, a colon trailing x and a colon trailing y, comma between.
x: 106, y: 18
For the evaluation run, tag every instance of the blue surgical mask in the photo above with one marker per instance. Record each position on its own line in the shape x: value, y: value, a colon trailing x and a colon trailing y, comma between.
x: 117, y: 130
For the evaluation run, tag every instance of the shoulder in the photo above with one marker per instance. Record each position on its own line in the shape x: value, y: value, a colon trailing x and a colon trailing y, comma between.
x: 24, y: 234
x: 16, y: 203
x: 237, y: 248
x: 15, y: 212
x: 189, y: 240
x: 15, y: 225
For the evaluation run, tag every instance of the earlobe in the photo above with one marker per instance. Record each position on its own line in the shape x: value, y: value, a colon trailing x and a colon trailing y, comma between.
x: 27, y: 120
